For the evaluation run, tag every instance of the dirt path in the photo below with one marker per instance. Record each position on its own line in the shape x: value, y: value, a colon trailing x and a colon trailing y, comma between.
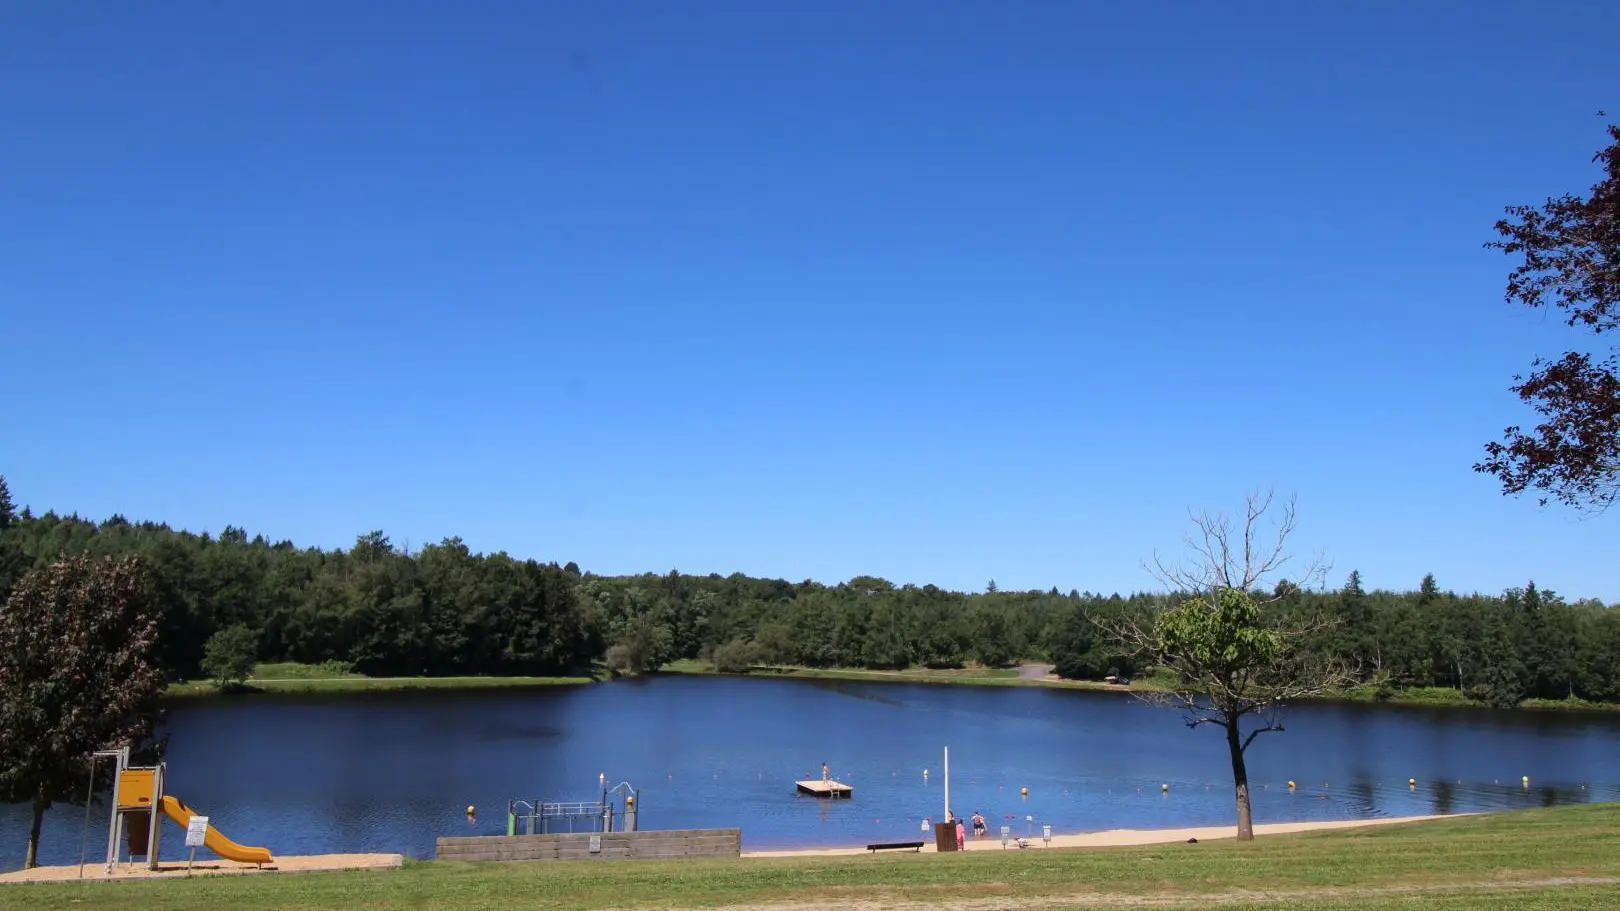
x: 1034, y: 671
x: 1093, y: 900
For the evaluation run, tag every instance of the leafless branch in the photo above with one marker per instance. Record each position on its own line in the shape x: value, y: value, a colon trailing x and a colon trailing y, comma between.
x: 1239, y: 557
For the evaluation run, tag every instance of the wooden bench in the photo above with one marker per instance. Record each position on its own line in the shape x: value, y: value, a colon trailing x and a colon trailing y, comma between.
x: 896, y: 846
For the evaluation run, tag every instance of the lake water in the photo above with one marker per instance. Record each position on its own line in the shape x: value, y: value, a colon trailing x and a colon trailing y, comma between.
x: 392, y: 771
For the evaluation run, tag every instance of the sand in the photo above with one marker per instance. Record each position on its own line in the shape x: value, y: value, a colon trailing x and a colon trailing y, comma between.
x: 297, y: 863
x: 1114, y: 837
x: 314, y: 862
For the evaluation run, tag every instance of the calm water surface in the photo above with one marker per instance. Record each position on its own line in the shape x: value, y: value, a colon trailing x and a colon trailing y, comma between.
x: 390, y: 772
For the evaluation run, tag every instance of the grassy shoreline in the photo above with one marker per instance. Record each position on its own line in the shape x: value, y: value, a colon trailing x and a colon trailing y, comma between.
x: 291, y: 677
x: 1526, y: 860
x: 321, y: 679
x: 978, y: 676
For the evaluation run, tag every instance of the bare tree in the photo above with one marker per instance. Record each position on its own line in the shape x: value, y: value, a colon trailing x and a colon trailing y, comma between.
x: 1242, y: 558
x: 1234, y: 663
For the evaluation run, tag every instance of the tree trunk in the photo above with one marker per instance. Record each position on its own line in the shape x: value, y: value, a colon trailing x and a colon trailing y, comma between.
x: 31, y: 859
x: 1240, y: 778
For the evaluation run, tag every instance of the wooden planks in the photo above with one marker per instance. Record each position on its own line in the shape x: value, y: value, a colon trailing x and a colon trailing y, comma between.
x: 577, y: 845
x: 819, y: 788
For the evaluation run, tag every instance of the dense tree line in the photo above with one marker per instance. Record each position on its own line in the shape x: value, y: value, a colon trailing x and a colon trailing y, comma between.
x: 443, y: 610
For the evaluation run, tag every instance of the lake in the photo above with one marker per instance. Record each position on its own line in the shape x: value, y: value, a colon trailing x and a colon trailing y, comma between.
x: 389, y: 772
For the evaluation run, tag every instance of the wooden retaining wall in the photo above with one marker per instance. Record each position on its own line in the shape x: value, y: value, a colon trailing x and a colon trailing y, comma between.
x: 577, y: 845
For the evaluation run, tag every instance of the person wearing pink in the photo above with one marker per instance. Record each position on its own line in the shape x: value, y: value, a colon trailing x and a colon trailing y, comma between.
x: 961, y: 836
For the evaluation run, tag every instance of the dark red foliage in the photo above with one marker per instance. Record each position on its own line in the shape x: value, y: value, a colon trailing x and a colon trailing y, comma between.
x: 1571, y: 260
x: 78, y: 673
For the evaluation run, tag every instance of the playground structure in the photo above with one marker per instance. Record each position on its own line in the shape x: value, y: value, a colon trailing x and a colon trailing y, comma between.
x: 540, y: 817
x: 137, y: 807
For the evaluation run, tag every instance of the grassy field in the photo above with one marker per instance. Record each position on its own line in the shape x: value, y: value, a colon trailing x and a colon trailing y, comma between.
x: 335, y: 678
x: 1533, y: 860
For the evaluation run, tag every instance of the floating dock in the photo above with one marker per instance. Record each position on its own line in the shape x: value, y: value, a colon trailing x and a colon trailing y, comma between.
x: 819, y: 788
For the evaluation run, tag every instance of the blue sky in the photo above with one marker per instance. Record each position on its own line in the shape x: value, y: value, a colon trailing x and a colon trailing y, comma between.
x: 942, y: 292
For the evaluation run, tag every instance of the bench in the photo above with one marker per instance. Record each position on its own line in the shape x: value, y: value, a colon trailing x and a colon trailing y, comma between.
x: 896, y: 846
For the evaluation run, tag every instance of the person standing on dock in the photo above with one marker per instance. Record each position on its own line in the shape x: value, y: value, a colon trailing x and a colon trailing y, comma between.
x: 826, y: 775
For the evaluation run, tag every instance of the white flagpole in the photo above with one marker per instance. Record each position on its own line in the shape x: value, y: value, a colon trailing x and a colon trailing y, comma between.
x: 947, y: 783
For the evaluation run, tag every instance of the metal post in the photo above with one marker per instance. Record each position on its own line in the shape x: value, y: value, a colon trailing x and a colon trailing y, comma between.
x: 89, y: 792
x: 948, y: 817
x: 115, y: 822
x: 153, y: 828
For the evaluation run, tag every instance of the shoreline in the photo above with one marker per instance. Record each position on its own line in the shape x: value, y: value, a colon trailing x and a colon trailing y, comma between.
x: 344, y: 686
x: 1019, y: 676
x: 1119, y: 838
x: 1034, y: 675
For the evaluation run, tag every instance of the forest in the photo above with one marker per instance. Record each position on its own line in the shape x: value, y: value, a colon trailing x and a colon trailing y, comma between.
x: 444, y: 610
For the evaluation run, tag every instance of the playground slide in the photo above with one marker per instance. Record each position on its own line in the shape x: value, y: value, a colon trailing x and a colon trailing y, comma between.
x: 214, y: 839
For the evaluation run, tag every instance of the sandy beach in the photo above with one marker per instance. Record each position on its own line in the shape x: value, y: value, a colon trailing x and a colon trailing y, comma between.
x: 1117, y: 837
x: 294, y: 863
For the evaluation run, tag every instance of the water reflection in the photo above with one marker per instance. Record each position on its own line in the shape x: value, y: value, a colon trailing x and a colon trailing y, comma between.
x: 1445, y: 798
x: 390, y: 772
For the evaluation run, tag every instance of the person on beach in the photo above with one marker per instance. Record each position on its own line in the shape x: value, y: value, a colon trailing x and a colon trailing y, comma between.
x: 979, y: 828
x: 961, y: 836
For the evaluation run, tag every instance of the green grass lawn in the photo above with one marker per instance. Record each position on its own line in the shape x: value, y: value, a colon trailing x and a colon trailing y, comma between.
x: 1533, y: 860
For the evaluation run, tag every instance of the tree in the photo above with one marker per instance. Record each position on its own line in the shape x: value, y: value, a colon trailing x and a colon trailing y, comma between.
x: 735, y: 657
x: 8, y: 509
x: 230, y: 654
x: 1571, y: 260
x: 1232, y: 660
x: 12, y: 559
x: 1082, y: 650
x: 1428, y: 590
x: 79, y: 672
x: 645, y: 646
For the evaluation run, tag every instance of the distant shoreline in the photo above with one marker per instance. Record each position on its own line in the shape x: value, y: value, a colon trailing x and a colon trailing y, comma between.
x: 1019, y: 677
x: 355, y: 685
x: 306, y: 680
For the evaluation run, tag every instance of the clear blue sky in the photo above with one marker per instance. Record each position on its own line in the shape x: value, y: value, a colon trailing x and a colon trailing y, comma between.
x: 942, y: 292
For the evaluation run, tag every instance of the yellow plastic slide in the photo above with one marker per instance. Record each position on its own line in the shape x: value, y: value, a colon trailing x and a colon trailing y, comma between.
x: 214, y: 839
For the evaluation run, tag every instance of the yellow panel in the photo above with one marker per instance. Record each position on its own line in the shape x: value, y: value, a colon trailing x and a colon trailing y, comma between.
x: 135, y: 787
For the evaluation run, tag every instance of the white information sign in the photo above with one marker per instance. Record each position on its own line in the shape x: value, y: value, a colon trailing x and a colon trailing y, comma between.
x: 196, y: 831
